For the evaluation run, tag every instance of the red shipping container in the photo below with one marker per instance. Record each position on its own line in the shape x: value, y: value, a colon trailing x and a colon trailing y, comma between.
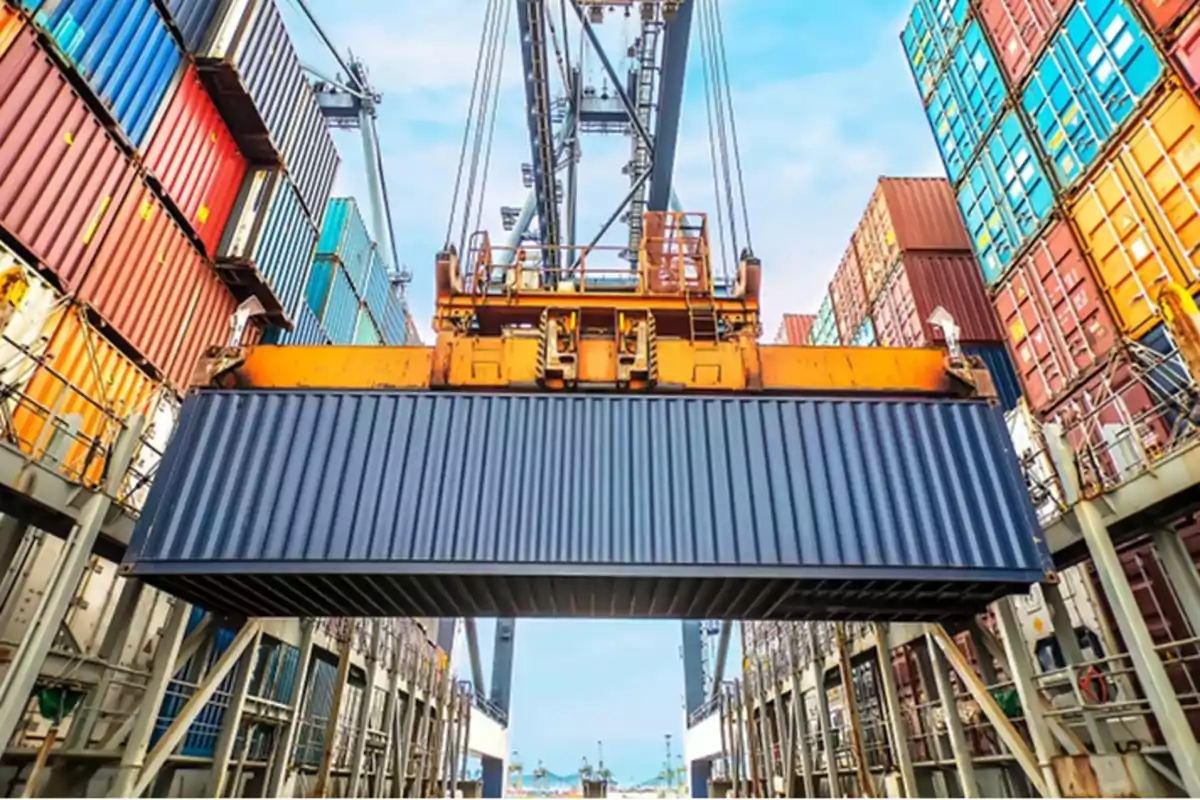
x: 1186, y: 55
x: 1054, y: 317
x: 1163, y: 13
x: 795, y: 329
x: 1019, y: 29
x: 159, y: 294
x: 61, y: 174
x: 194, y: 158
x: 849, y: 294
x: 922, y: 283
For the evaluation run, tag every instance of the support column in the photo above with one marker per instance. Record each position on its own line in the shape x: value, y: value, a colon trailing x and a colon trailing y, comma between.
x: 363, y: 723
x: 822, y: 699
x: 115, y: 638
x: 339, y: 692
x: 389, y: 721
x: 954, y: 727
x: 285, y: 738
x: 27, y: 661
x: 1181, y: 571
x: 897, y: 724
x: 1156, y: 684
x: 231, y: 720
x: 1068, y: 643
x: 12, y: 537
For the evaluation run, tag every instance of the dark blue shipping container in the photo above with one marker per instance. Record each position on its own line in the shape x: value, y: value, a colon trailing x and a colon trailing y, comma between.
x: 1004, y: 376
x: 288, y: 503
x: 395, y: 325
x: 191, y: 18
x: 122, y: 48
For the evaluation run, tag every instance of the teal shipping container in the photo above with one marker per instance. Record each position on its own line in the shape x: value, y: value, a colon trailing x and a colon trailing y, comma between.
x: 379, y: 287
x: 365, y: 331
x: 1005, y: 198
x: 824, y: 331
x: 865, y: 335
x: 307, y: 330
x: 123, y: 49
x: 929, y: 36
x: 395, y: 324
x: 339, y: 315
x: 344, y: 236
x: 966, y: 101
x: 1091, y: 79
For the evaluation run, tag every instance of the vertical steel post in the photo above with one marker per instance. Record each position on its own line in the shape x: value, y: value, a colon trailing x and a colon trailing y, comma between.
x: 860, y: 756
x: 285, y: 737
x: 335, y: 711
x: 12, y: 539
x: 1068, y: 643
x: 363, y: 723
x: 26, y: 663
x: 389, y: 720
x: 822, y: 700
x: 231, y: 721
x: 1181, y: 572
x: 115, y: 637
x: 1164, y: 701
x: 895, y: 715
x: 954, y: 726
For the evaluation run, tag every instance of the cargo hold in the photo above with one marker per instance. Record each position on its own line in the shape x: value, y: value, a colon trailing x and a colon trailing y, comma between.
x: 278, y: 503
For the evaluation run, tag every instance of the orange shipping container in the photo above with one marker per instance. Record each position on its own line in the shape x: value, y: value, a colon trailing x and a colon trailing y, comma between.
x: 907, y: 214
x: 86, y: 386
x: 849, y: 295
x: 10, y: 25
x: 795, y: 329
x: 1138, y: 215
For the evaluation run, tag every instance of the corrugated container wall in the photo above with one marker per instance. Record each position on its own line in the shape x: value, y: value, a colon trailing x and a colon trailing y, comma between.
x: 1138, y: 214
x: 197, y: 162
x: 1055, y: 317
x: 122, y: 48
x: 344, y: 236
x: 340, y: 313
x: 147, y: 264
x: 271, y: 232
x: 365, y: 331
x: 379, y: 286
x: 10, y: 25
x: 825, y: 329
x: 1090, y: 80
x: 348, y: 483
x: 995, y: 357
x: 1020, y: 28
x: 61, y: 173
x: 865, y: 335
x: 1005, y: 198
x: 923, y: 282
x: 257, y: 80
x: 1164, y: 13
x: 308, y: 330
x: 930, y: 34
x: 848, y: 292
x: 191, y: 19
x: 1186, y: 55
x: 794, y: 329
x: 395, y: 323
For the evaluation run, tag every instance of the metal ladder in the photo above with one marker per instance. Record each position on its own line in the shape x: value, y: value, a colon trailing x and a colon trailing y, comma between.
x: 644, y: 103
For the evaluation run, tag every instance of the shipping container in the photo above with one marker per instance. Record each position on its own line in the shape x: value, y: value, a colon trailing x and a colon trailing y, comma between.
x: 1164, y: 13
x: 906, y: 214
x: 1055, y: 317
x: 848, y: 292
x: 384, y: 491
x: 995, y: 358
x: 255, y: 75
x: 159, y: 294
x: 1019, y: 29
x: 966, y: 101
x: 825, y: 329
x: 1091, y: 79
x: 191, y: 19
x: 1186, y: 55
x: 924, y: 282
x: 1040, y: 473
x: 864, y: 336
x: 395, y: 323
x: 269, y: 242
x: 29, y: 325
x: 195, y: 159
x: 929, y: 36
x: 379, y: 286
x: 161, y: 420
x: 122, y: 48
x: 10, y: 25
x: 344, y: 236
x: 794, y: 329
x: 1005, y: 198
x: 365, y: 330
x: 340, y: 314
x: 61, y: 173
x: 308, y: 330
x: 70, y: 412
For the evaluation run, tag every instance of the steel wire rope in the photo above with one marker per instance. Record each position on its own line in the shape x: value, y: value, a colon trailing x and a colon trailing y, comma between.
x: 485, y: 101
x: 403, y: 276
x: 713, y: 134
x: 487, y: 152
x: 488, y: 13
x: 722, y: 137
x: 737, y: 155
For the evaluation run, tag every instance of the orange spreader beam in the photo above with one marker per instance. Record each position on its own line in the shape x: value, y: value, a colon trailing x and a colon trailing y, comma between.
x: 513, y: 363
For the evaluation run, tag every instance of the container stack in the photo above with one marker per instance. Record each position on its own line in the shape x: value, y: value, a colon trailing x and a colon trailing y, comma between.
x: 153, y: 175
x: 795, y: 329
x: 1070, y: 131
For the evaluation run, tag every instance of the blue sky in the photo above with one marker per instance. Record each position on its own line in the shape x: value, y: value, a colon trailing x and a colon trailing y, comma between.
x: 825, y: 105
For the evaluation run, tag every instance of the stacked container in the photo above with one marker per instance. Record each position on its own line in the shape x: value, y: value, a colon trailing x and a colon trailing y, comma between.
x: 825, y: 328
x: 795, y: 329
x: 1076, y: 178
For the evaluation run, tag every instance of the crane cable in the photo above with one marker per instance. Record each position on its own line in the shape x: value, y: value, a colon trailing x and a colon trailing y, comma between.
x: 487, y: 155
x: 489, y: 96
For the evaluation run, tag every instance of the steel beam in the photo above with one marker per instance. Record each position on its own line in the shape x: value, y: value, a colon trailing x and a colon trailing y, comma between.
x: 502, y: 663
x: 822, y: 700
x: 285, y: 737
x: 390, y: 712
x: 954, y: 726
x: 722, y: 654
x: 1068, y: 643
x: 897, y: 725
x: 358, y: 755
x: 860, y: 757
x: 195, y: 704
x: 335, y: 711
x: 531, y: 27
x: 676, y: 37
x: 693, y: 666
x: 472, y: 633
x: 231, y: 720
x: 1164, y: 701
x: 26, y: 663
x: 1181, y: 572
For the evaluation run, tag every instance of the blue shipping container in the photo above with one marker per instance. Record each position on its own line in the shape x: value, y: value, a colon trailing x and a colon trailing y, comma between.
x: 800, y: 507
x: 379, y: 286
x: 1004, y: 199
x: 344, y: 236
x: 191, y: 18
x: 1090, y: 80
x: 932, y: 30
x: 365, y: 331
x: 824, y: 331
x: 865, y: 335
x: 967, y: 100
x: 270, y: 230
x: 395, y: 324
x: 1004, y: 377
x: 307, y: 330
x: 122, y: 48
x: 340, y: 315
